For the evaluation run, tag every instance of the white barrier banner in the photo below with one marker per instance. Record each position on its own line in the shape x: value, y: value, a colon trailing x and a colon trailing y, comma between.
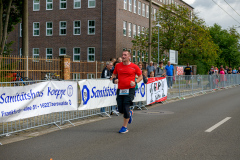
x: 156, y: 90
x: 102, y: 93
x: 37, y: 99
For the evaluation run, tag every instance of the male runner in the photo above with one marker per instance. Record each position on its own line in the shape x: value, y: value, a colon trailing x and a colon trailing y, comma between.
x: 126, y: 72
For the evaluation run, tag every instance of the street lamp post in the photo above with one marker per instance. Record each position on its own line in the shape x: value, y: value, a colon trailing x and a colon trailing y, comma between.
x: 158, y: 25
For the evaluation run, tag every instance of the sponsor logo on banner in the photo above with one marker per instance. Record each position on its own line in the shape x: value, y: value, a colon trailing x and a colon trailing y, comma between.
x: 93, y: 92
x: 141, y: 90
x: 85, y: 94
x: 156, y: 90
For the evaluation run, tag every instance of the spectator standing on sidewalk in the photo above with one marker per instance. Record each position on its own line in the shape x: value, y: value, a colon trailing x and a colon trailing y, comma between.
x: 230, y: 71
x: 140, y: 65
x: 170, y: 73
x: 145, y: 77
x: 234, y: 71
x: 126, y: 72
x: 119, y: 59
x: 160, y: 71
x: 226, y: 70
x: 222, y: 77
x: 106, y: 73
x: 238, y: 70
x: 150, y: 68
x: 152, y: 74
x: 210, y: 78
x: 112, y: 60
x: 188, y: 75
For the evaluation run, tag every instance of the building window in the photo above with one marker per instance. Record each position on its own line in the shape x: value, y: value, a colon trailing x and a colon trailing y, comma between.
x: 134, y: 56
x: 143, y: 30
x: 142, y: 56
x: 143, y: 9
x: 139, y: 8
x: 36, y: 28
x: 155, y: 14
x: 90, y: 76
x: 49, y: 28
x: 147, y: 11
x: 49, y: 54
x: 77, y: 27
x: 138, y: 57
x: 130, y: 5
x: 77, y: 4
x: 20, y: 30
x: 76, y: 76
x: 20, y: 52
x: 62, y: 51
x: 91, y: 54
x: 76, y: 54
x: 35, y: 54
x: 63, y: 28
x: 36, y: 5
x: 129, y: 29
x: 135, y: 6
x: 139, y: 30
x: 125, y: 4
x: 63, y: 4
x: 91, y: 3
x: 124, y: 28
x: 129, y: 50
x: 49, y: 4
x: 134, y: 30
x: 91, y: 27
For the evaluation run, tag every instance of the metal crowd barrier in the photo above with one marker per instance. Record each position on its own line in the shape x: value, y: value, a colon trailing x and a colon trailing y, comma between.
x: 179, y: 89
x: 191, y: 85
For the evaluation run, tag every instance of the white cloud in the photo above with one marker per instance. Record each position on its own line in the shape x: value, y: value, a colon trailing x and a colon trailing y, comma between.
x: 212, y: 13
x: 189, y: 1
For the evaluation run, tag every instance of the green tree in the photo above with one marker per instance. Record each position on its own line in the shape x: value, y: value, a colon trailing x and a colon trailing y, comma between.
x: 228, y: 43
x: 10, y: 15
x: 183, y: 31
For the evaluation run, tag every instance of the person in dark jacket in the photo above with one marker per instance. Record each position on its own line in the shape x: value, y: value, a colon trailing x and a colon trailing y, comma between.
x: 106, y: 73
x: 145, y: 77
x: 160, y: 71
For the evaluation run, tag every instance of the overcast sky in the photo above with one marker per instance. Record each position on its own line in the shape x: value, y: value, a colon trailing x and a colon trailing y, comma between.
x: 212, y: 13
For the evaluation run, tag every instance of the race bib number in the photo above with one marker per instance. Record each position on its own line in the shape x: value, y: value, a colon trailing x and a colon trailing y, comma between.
x: 124, y: 92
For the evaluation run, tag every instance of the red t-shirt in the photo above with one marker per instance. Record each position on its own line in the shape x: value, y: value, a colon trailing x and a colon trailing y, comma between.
x: 126, y: 74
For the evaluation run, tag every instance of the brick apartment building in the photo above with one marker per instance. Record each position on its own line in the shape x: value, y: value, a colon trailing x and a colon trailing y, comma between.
x: 78, y: 29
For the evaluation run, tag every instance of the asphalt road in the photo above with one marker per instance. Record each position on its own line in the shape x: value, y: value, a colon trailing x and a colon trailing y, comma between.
x: 174, y: 131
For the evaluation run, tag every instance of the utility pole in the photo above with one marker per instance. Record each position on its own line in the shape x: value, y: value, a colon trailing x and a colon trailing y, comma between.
x: 150, y: 31
x: 25, y: 35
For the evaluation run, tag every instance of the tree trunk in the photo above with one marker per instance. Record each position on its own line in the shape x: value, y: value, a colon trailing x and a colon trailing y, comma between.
x: 1, y: 22
x: 4, y: 37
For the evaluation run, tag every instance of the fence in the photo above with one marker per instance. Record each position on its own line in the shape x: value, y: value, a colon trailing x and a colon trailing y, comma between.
x: 200, y: 84
x: 197, y: 84
x: 13, y: 68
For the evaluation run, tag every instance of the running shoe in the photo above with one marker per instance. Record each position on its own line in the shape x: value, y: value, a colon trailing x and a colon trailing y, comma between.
x: 123, y: 130
x: 130, y: 119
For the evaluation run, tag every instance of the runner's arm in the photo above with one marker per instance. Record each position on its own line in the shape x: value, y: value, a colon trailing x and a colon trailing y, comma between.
x: 139, y: 78
x: 113, y: 76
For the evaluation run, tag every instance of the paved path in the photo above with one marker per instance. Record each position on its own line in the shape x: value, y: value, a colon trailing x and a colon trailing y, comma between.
x: 174, y: 131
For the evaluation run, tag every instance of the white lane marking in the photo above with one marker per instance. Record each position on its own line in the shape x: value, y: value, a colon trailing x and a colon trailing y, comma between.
x: 218, y: 124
